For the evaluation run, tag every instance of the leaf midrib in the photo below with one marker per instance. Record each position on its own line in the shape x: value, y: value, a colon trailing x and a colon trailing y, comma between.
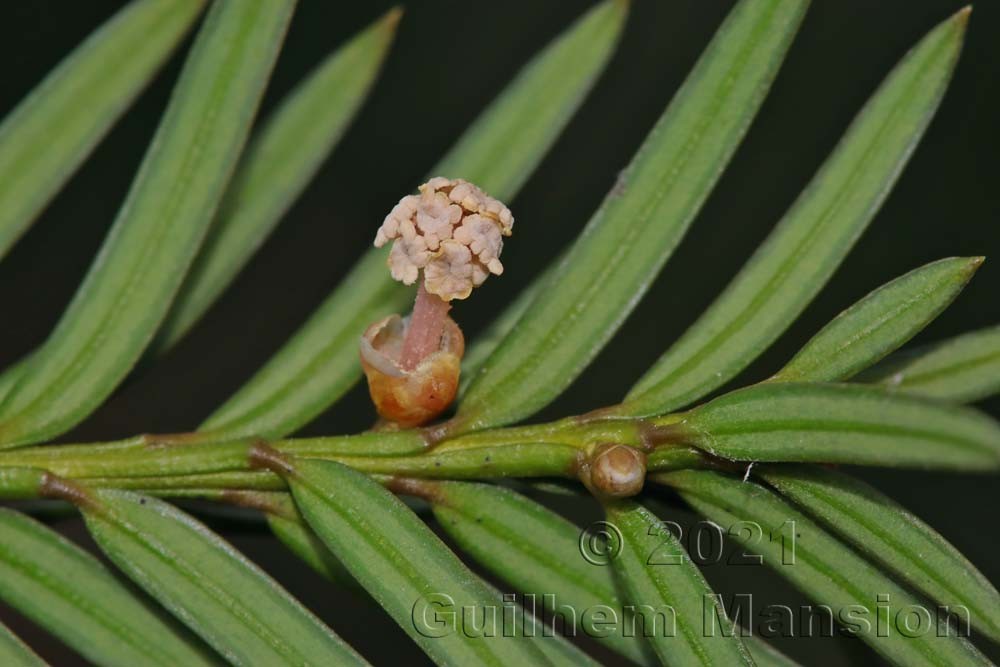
x: 541, y: 556
x: 785, y: 268
x: 838, y: 427
x: 808, y: 373
x: 232, y: 604
x: 179, y: 185
x: 818, y: 565
x: 917, y: 378
x: 95, y: 612
x: 362, y: 530
x: 555, y: 335
x: 918, y: 563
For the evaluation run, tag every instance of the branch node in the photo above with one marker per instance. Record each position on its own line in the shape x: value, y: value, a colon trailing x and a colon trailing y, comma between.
x: 60, y: 488
x: 263, y: 456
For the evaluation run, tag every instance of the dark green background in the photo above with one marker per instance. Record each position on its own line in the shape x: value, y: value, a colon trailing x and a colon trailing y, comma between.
x: 450, y: 59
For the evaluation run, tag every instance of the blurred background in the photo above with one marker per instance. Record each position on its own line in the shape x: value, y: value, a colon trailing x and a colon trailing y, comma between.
x: 450, y: 58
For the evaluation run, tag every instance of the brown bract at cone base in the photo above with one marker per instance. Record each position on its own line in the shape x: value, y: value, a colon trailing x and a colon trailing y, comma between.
x: 411, y: 396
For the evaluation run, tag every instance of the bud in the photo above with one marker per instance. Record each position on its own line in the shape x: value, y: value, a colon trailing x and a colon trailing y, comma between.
x: 615, y: 471
x: 410, y: 397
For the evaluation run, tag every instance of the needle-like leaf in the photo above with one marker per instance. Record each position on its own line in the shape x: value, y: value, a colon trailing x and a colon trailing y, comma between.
x: 875, y: 524
x: 69, y: 593
x: 903, y: 628
x: 289, y: 526
x: 482, y: 347
x: 840, y: 423
x: 231, y: 603
x: 501, y: 148
x: 406, y: 568
x: 15, y: 653
x: 50, y: 133
x: 892, y: 537
x: 10, y: 376
x: 561, y: 653
x: 276, y: 167
x: 542, y: 554
x: 534, y: 550
x: 879, y: 323
x: 961, y: 369
x: 814, y: 236
x: 765, y: 655
x: 659, y: 579
x: 602, y: 277
x: 130, y: 285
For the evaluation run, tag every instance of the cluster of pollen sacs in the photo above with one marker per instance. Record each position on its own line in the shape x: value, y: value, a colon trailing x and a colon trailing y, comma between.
x: 452, y: 231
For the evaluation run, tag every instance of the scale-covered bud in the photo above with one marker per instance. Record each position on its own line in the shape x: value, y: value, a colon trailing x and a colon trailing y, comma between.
x: 615, y: 471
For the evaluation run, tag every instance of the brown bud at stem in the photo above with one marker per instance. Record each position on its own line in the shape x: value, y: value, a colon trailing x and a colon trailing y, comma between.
x: 614, y: 471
